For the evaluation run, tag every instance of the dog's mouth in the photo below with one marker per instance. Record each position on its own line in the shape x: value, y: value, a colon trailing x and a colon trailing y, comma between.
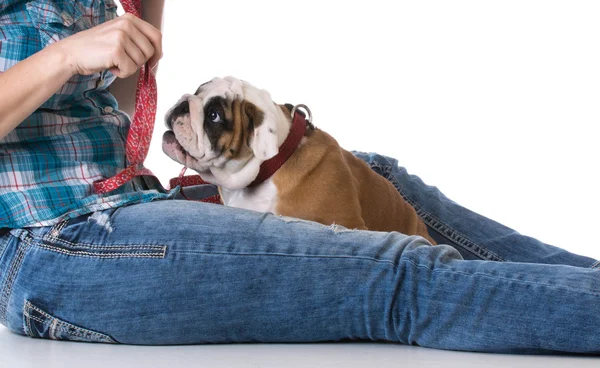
x: 172, y: 148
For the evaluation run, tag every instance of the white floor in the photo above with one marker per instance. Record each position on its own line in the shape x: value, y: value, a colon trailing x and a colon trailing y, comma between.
x: 22, y: 352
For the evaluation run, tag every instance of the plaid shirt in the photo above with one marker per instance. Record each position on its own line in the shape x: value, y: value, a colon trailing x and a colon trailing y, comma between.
x: 49, y: 162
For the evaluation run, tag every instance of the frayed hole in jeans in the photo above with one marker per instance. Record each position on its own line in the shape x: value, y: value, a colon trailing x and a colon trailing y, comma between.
x: 102, y: 219
x: 334, y: 227
x: 340, y: 229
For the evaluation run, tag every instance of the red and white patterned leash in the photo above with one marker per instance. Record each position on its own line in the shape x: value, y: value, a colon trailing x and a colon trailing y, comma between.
x: 140, y: 131
x: 142, y: 126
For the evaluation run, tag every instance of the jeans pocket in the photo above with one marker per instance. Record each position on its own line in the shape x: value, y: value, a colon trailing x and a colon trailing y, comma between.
x: 87, y: 236
x: 40, y: 324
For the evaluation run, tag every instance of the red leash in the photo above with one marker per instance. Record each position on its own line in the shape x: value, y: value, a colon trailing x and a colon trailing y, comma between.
x: 140, y: 131
x: 191, y: 180
x: 142, y: 126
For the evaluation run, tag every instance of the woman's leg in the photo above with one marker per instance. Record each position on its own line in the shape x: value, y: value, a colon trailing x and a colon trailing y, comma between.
x: 177, y: 272
x: 473, y: 235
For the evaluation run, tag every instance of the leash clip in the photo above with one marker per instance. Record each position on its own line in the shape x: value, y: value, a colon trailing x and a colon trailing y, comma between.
x: 305, y: 108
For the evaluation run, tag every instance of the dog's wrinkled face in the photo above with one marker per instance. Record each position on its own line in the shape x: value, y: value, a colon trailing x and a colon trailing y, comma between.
x: 227, y: 121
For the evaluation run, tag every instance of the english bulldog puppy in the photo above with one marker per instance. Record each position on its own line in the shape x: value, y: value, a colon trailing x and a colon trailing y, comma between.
x: 228, y: 128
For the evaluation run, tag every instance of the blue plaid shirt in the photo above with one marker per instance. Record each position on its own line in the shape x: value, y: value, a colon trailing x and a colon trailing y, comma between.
x: 49, y: 162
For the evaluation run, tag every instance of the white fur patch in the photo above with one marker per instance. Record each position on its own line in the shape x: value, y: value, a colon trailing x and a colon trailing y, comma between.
x: 197, y: 122
x: 266, y: 141
x: 262, y: 197
x: 229, y: 88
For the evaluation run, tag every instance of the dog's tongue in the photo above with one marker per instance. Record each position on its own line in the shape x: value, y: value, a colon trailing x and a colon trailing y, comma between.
x: 172, y: 148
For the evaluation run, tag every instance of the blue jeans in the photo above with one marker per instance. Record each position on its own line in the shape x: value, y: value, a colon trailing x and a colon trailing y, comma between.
x: 179, y: 272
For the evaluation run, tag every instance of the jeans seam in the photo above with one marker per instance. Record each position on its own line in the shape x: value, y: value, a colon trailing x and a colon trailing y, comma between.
x: 28, y: 316
x: 291, y: 256
x: 439, y: 225
x: 28, y: 319
x: 4, y: 245
x: 56, y: 229
x: 6, y: 290
x: 479, y: 274
x: 596, y: 265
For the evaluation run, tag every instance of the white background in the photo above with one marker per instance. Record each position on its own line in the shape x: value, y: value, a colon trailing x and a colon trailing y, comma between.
x: 494, y: 102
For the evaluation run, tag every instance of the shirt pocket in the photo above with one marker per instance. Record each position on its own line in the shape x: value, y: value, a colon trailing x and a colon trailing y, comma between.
x: 40, y: 324
x: 57, y: 19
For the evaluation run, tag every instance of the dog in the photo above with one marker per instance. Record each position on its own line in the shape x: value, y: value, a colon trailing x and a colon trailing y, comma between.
x: 228, y: 129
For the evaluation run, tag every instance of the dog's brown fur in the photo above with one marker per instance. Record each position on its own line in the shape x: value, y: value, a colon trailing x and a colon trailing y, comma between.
x: 244, y: 116
x: 324, y: 183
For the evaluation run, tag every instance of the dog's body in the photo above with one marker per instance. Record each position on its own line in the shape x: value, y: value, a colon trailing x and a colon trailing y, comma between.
x: 320, y: 181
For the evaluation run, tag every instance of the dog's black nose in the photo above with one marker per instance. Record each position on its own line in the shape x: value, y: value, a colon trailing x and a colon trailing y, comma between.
x: 180, y: 110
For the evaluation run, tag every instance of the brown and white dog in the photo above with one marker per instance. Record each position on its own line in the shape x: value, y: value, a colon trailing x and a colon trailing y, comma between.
x: 229, y: 127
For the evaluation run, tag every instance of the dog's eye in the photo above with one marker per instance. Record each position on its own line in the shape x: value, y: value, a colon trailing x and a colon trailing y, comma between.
x: 214, y: 116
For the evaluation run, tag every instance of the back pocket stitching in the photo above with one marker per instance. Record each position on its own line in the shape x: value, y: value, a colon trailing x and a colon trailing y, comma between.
x: 160, y: 252
x: 107, y: 247
x: 95, y: 251
x: 56, y: 324
x: 52, y: 236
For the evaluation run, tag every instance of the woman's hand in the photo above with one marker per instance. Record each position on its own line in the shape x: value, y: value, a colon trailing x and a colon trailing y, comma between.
x: 121, y: 45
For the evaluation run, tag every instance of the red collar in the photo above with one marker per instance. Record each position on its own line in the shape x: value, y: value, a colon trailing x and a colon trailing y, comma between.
x: 267, y: 168
x: 287, y: 148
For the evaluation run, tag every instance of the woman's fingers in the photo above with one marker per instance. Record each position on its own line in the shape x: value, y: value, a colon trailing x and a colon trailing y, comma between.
x: 139, y: 38
x: 125, y: 65
x: 137, y: 46
x: 151, y: 35
x: 134, y: 53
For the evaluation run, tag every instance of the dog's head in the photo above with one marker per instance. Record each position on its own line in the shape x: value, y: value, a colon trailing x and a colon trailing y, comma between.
x: 225, y: 126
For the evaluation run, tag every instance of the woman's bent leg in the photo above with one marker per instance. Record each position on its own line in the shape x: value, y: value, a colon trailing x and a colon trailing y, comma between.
x: 473, y: 235
x: 176, y: 272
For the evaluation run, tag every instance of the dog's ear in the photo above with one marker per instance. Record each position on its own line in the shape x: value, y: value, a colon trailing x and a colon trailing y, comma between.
x: 263, y: 132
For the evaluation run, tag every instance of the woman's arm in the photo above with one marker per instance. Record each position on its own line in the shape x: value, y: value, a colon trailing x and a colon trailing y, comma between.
x: 152, y: 12
x: 121, y: 45
x: 124, y: 89
x: 27, y: 85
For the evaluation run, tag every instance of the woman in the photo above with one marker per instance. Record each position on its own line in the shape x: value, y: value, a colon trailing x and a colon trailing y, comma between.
x: 133, y: 266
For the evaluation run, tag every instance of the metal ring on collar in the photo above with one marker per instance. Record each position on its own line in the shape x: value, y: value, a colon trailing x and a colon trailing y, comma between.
x: 305, y: 108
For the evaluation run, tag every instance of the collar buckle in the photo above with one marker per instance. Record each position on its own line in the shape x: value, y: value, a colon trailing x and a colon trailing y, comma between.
x: 305, y: 108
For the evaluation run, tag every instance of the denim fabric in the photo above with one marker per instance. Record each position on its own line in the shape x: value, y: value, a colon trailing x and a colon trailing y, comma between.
x: 181, y: 272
